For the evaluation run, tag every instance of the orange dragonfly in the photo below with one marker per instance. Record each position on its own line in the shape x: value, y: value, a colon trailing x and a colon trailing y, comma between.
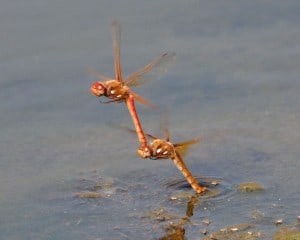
x: 118, y: 90
x: 164, y: 149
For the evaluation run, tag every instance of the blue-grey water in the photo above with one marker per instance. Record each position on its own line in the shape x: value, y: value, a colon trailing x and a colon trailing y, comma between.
x: 235, y: 81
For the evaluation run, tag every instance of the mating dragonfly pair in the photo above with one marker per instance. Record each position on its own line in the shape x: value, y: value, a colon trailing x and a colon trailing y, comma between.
x: 118, y: 90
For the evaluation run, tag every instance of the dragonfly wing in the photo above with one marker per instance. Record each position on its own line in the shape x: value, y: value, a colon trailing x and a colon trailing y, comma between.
x: 116, y: 36
x: 153, y: 70
x: 183, y: 147
x: 151, y: 136
x: 93, y: 72
x: 128, y: 129
x: 141, y: 100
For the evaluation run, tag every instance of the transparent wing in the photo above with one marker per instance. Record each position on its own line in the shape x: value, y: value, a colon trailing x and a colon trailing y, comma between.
x: 183, y: 147
x: 100, y: 76
x: 153, y: 70
x: 165, y: 124
x: 141, y: 100
x: 116, y: 36
x: 128, y: 129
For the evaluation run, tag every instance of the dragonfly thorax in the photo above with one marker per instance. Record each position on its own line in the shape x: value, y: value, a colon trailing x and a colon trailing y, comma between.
x: 116, y: 90
x: 162, y: 149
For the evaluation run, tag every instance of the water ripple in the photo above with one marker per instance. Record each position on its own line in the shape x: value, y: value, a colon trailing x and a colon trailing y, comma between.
x: 218, y: 189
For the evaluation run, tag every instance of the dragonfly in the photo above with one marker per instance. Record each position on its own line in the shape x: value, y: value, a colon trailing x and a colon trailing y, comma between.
x: 164, y: 149
x: 119, y: 89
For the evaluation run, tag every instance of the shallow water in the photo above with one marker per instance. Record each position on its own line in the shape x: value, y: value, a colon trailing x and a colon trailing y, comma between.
x: 235, y: 84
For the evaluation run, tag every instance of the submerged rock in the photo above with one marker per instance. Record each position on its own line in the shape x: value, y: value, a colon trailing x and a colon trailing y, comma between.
x: 175, y: 232
x: 160, y: 215
x: 236, y: 232
x: 250, y: 187
x: 89, y: 195
x: 287, y: 233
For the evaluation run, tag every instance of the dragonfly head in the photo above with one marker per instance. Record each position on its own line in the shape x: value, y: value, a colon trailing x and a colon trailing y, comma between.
x: 144, y: 152
x: 98, y: 89
x: 162, y: 149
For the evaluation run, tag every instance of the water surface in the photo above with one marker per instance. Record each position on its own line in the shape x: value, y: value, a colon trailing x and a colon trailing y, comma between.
x: 235, y: 80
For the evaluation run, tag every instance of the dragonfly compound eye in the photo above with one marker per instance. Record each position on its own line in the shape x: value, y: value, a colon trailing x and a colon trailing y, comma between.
x: 98, y: 89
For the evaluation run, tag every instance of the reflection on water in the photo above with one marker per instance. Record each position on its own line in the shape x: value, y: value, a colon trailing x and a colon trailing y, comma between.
x: 215, y: 188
